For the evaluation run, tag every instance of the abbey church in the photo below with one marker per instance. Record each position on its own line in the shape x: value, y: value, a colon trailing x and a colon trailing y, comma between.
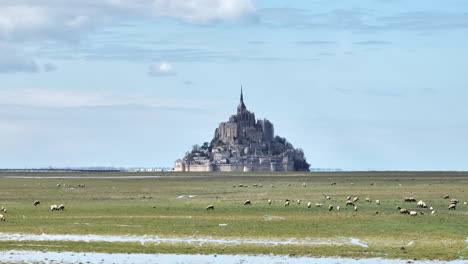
x: 244, y: 144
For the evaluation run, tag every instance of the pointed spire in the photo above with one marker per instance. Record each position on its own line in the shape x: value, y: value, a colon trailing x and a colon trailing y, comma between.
x: 241, y: 106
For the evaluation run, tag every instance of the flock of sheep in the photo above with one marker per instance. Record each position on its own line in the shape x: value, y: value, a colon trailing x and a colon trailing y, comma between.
x: 352, y: 202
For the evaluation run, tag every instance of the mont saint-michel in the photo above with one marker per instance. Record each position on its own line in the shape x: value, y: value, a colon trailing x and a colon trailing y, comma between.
x: 244, y: 144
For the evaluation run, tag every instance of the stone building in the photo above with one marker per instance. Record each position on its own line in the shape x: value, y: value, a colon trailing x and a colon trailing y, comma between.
x: 244, y: 144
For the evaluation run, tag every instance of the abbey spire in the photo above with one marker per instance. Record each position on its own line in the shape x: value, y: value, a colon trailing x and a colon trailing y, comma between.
x: 241, y: 106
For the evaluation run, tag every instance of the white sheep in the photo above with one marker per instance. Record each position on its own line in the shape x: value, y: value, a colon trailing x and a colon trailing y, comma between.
x: 304, y: 185
x: 327, y: 197
x: 269, y: 201
x: 54, y: 207
x: 298, y: 201
x: 413, y: 213
x: 431, y: 208
x: 348, y: 198
x: 349, y: 203
x: 338, y: 207
x: 2, y: 218
x: 247, y: 202
x: 377, y: 202
x: 368, y: 200
x: 355, y: 199
x: 330, y: 207
x: 309, y: 204
x: 210, y: 207
x: 36, y: 203
x: 433, y: 212
x: 355, y: 208
x: 61, y: 207
x: 286, y: 203
x: 319, y: 205
x: 452, y: 207
x: 421, y: 204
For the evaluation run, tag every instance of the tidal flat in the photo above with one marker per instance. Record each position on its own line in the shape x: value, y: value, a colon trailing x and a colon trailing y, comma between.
x: 115, y: 213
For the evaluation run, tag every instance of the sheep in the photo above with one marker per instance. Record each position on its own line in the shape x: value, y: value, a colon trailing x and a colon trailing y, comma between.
x: 409, y: 199
x: 421, y: 204
x: 454, y: 201
x: 2, y: 218
x: 338, y: 207
x: 433, y: 212
x: 431, y: 208
x: 327, y: 197
x: 304, y: 185
x: 355, y: 199
x: 355, y: 208
x: 36, y: 203
x: 3, y: 209
x: 286, y: 203
x: 348, y: 198
x: 269, y: 201
x: 413, y: 213
x: 288, y: 184
x: 61, y: 207
x: 452, y: 207
x: 333, y: 183
x: 446, y: 196
x: 298, y: 201
x: 58, y: 185
x: 368, y: 200
x: 377, y: 202
x: 330, y: 207
x: 464, y: 203
x: 309, y: 204
x: 260, y: 185
x: 247, y: 202
x: 210, y: 207
x: 349, y: 203
x: 404, y: 211
x: 54, y: 207
x: 319, y: 205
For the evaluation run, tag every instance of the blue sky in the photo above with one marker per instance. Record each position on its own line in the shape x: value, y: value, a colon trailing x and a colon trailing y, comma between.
x: 358, y: 85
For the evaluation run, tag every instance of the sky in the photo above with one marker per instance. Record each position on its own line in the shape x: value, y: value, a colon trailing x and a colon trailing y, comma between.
x: 356, y: 84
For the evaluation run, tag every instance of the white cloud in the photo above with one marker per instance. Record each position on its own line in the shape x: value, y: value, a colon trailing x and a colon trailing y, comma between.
x: 55, y: 98
x: 32, y: 19
x: 162, y: 69
x: 11, y: 61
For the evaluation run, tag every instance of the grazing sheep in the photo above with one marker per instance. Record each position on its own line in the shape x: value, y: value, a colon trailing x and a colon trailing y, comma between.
x: 298, y: 201
x: 61, y: 207
x: 377, y: 202
x: 355, y: 208
x: 409, y: 199
x: 286, y: 203
x: 319, y: 205
x: 349, y: 203
x: 210, y: 207
x: 36, y: 203
x: 355, y: 199
x: 338, y: 207
x: 2, y: 218
x: 431, y: 208
x: 304, y: 185
x: 260, y: 185
x: 255, y: 185
x: 368, y: 200
x: 464, y: 203
x: 452, y: 207
x: 413, y: 213
x: 432, y: 212
x: 309, y: 204
x: 58, y: 185
x: 54, y: 207
x: 272, y: 186
x: 404, y: 211
x: 269, y: 201
x: 327, y: 197
x: 348, y: 198
x: 446, y: 196
x: 247, y: 202
x: 421, y: 204
x: 333, y: 183
x: 330, y: 207
x: 4, y: 209
x: 454, y: 201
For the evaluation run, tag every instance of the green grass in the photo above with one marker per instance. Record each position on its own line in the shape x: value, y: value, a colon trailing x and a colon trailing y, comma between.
x: 151, y: 207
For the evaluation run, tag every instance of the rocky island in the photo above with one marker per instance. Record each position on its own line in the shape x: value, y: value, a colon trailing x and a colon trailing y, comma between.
x: 244, y: 144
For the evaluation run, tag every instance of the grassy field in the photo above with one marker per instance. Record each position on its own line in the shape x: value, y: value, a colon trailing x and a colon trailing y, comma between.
x: 161, y: 206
